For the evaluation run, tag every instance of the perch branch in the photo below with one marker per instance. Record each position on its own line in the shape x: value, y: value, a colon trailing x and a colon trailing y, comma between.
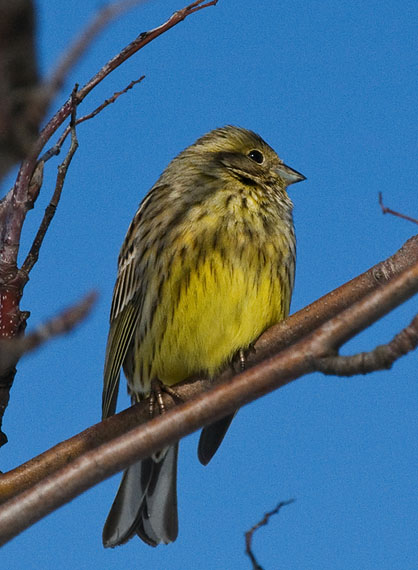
x: 103, y: 460
x: 274, y: 340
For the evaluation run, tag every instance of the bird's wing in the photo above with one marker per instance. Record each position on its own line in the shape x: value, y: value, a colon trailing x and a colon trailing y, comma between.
x: 124, y: 318
x: 131, y: 307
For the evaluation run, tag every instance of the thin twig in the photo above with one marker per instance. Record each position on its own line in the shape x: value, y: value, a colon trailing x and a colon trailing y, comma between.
x: 56, y: 149
x: 249, y: 534
x: 386, y: 210
x: 141, y: 41
x: 50, y: 210
x: 111, y: 100
x: 12, y: 349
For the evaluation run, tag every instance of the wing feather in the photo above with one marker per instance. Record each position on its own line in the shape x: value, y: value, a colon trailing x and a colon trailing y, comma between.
x: 130, y: 307
x: 124, y: 317
x: 120, y: 336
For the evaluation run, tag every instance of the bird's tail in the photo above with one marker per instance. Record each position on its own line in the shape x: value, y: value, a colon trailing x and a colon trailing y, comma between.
x: 146, y: 502
x: 211, y: 438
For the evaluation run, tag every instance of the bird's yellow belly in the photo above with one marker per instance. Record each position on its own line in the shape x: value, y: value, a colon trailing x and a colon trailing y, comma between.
x: 206, y: 315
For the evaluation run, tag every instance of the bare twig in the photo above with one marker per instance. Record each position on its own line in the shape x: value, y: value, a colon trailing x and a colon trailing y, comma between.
x: 380, y: 358
x: 249, y: 534
x: 50, y: 210
x: 386, y: 210
x: 11, y: 350
x: 56, y: 149
x: 101, y: 461
x: 112, y: 99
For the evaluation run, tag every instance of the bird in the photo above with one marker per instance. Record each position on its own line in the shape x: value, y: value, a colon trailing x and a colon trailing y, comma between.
x: 207, y: 265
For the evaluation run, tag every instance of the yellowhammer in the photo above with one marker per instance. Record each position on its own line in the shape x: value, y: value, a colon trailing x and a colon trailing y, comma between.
x: 206, y: 266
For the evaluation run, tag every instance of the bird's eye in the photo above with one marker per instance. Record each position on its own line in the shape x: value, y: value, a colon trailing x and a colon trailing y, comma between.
x: 256, y: 156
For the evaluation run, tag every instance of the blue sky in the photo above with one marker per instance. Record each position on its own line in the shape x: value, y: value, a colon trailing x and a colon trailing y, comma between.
x: 332, y: 87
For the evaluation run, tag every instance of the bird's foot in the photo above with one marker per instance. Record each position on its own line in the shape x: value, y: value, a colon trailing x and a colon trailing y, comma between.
x: 156, y: 396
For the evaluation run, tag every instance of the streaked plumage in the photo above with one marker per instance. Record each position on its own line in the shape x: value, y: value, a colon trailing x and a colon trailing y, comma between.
x: 206, y: 266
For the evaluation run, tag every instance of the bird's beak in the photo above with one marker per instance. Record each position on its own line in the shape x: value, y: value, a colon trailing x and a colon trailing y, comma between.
x: 289, y: 175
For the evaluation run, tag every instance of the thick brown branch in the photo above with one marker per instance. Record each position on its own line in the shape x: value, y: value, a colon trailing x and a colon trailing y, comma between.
x: 100, y: 462
x: 272, y: 341
x: 249, y: 534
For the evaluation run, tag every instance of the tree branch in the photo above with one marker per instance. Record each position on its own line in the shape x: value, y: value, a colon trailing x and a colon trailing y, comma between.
x: 63, y: 481
x: 50, y: 210
x: 12, y: 349
x: 380, y: 358
x: 263, y: 522
x: 56, y: 149
x: 386, y: 210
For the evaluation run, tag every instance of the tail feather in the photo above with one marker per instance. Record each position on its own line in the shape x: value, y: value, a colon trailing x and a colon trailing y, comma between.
x: 146, y: 503
x: 211, y: 438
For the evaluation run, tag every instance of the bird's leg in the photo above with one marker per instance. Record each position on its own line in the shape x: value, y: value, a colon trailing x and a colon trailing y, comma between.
x: 156, y: 396
x: 241, y: 357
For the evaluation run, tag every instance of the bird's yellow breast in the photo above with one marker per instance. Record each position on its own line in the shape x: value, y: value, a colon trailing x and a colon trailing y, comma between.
x: 223, y: 288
